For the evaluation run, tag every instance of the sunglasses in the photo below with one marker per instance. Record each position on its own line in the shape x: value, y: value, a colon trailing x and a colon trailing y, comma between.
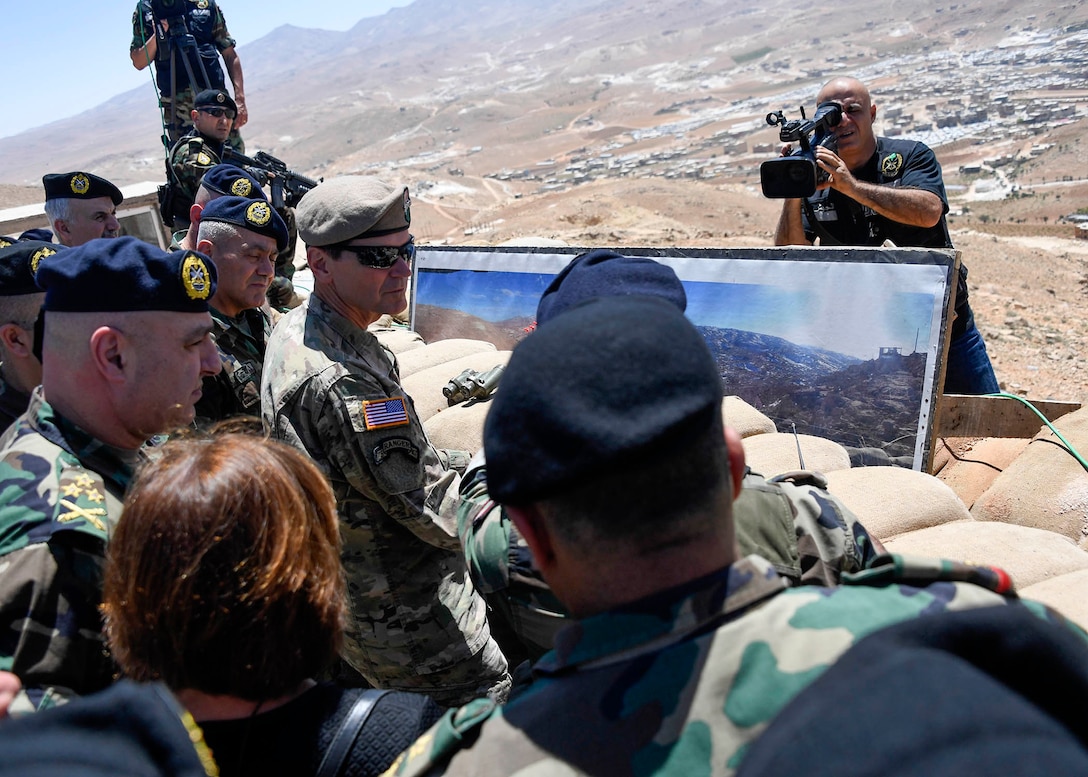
x: 382, y: 257
x: 218, y: 112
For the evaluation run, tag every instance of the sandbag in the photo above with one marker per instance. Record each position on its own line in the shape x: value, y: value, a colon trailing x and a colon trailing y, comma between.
x: 891, y: 500
x: 398, y: 339
x: 973, y: 470
x: 775, y: 453
x: 1028, y: 555
x: 745, y: 418
x: 433, y: 354
x: 425, y: 387
x: 460, y: 427
x: 1068, y: 594
x: 1045, y: 487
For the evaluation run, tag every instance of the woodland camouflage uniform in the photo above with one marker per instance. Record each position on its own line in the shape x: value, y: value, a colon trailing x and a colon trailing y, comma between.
x: 682, y: 681
x: 60, y: 498
x: 808, y: 535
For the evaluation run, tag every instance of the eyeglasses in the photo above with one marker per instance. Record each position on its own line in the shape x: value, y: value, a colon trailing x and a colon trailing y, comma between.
x: 217, y: 112
x: 382, y: 257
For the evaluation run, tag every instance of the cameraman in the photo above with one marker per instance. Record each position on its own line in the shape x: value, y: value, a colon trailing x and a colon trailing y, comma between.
x: 153, y: 41
x: 882, y: 189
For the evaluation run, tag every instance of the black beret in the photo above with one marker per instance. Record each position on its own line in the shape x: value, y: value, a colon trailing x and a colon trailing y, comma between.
x: 18, y: 263
x: 229, y: 180
x: 6, y: 241
x: 128, y: 729
x: 214, y: 98
x: 254, y: 215
x: 126, y: 274
x: 352, y: 206
x: 604, y: 273
x: 79, y: 185
x: 597, y: 388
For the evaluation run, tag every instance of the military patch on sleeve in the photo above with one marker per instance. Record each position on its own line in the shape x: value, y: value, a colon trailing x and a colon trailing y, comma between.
x: 383, y: 413
x: 892, y: 164
x: 403, y: 444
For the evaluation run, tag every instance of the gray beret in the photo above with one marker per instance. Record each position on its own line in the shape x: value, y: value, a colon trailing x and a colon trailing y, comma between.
x: 352, y: 206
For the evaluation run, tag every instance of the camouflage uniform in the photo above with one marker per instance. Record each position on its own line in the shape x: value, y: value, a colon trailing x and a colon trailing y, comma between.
x: 209, y: 30
x: 682, y: 681
x: 809, y: 536
x: 237, y: 388
x: 190, y: 158
x: 417, y: 623
x: 13, y: 403
x: 60, y: 501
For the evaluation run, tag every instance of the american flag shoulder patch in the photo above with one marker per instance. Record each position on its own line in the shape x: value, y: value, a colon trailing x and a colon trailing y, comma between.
x: 383, y: 413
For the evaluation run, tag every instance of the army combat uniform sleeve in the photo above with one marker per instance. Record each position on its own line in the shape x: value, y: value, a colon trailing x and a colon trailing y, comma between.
x: 189, y: 160
x: 377, y: 442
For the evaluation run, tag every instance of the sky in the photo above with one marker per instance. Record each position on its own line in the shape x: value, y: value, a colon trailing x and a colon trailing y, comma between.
x: 61, y: 57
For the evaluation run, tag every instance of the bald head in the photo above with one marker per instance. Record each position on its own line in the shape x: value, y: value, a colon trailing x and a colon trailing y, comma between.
x: 854, y: 135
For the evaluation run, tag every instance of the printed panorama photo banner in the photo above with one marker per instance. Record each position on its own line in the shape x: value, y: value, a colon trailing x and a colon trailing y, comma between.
x: 843, y: 343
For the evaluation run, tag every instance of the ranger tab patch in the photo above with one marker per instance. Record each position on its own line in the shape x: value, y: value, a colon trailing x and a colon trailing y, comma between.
x: 383, y: 413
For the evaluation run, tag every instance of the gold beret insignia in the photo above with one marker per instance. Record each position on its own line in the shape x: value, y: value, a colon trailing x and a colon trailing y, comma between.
x: 36, y: 259
x: 892, y: 164
x: 80, y: 183
x: 241, y: 187
x: 258, y: 213
x: 407, y: 207
x: 195, y: 277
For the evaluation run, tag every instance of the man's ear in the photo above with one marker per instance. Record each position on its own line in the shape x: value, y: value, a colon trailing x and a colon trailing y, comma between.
x: 194, y: 216
x: 318, y: 259
x: 530, y: 522
x: 109, y: 353
x: 16, y: 340
x: 193, y: 114
x: 735, y: 447
x: 61, y: 228
x: 204, y: 247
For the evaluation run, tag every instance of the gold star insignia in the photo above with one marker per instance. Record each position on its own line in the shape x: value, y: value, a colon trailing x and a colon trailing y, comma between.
x: 94, y: 495
x: 84, y: 481
x: 71, y: 489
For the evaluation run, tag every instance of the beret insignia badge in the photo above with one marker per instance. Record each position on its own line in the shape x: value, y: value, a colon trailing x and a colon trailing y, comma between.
x: 407, y: 208
x: 891, y: 164
x: 203, y: 159
x: 80, y: 184
x: 258, y: 213
x: 36, y: 259
x: 195, y: 277
x: 241, y: 188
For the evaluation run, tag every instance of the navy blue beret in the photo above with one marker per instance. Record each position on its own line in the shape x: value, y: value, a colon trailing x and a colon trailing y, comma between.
x: 227, y: 180
x: 40, y: 233
x: 254, y: 215
x: 6, y: 240
x: 79, y: 185
x: 598, y: 387
x: 126, y: 274
x: 604, y: 273
x: 18, y: 263
x: 214, y: 98
x: 128, y: 729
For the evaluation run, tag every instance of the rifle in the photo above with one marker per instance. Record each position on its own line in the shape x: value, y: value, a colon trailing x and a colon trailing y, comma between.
x: 287, y: 186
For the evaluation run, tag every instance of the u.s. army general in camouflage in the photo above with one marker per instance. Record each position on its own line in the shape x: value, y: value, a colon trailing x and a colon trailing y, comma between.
x: 332, y: 391
x: 66, y: 461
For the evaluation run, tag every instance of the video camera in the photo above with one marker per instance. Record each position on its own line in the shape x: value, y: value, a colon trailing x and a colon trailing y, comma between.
x: 796, y: 175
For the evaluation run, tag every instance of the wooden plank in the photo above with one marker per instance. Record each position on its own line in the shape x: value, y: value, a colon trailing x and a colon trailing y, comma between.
x: 960, y: 415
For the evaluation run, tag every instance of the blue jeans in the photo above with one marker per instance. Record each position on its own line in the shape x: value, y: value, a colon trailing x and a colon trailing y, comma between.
x: 969, y: 370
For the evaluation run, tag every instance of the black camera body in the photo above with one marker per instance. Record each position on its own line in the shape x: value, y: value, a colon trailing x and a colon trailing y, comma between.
x: 797, y: 175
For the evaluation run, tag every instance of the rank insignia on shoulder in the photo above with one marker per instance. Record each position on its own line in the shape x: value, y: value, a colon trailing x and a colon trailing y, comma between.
x: 383, y: 413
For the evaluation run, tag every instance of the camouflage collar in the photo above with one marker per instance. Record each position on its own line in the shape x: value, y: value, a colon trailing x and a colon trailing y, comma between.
x: 114, y: 464
x: 663, y: 619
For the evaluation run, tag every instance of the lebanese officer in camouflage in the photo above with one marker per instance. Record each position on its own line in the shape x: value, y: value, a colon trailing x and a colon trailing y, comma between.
x: 805, y: 532
x: 683, y: 649
x: 20, y: 302
x: 242, y: 237
x: 200, y: 149
x: 125, y: 344
x: 223, y: 180
x: 333, y: 391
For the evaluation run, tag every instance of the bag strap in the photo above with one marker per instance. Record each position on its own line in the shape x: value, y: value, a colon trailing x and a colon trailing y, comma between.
x: 333, y: 760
